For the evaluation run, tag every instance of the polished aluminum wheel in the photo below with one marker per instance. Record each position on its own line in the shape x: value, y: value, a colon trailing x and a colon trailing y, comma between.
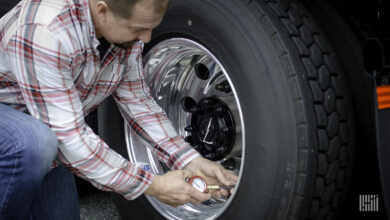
x: 195, y: 90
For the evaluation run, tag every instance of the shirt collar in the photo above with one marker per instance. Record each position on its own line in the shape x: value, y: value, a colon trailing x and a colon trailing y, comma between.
x: 91, y: 26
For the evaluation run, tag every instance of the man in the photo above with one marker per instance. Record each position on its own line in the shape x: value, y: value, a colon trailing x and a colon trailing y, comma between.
x: 53, y: 67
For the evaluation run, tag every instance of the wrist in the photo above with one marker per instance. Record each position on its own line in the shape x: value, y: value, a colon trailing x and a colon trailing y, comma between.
x: 153, y: 187
x: 193, y: 162
x: 181, y: 161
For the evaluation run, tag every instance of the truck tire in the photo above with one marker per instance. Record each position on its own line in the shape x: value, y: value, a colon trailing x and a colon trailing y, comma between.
x: 285, y: 95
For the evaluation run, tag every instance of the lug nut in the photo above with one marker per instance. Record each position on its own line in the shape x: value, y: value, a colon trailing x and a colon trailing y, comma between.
x: 189, y: 128
x: 221, y: 150
x: 225, y: 130
x: 210, y: 155
x: 207, y: 101
x: 189, y: 140
x: 202, y: 71
x: 224, y: 87
x: 219, y: 87
x: 229, y: 164
x: 220, y: 110
x: 189, y: 105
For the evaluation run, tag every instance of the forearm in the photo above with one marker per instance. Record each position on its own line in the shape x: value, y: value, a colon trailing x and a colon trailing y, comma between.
x: 155, y: 128
x: 91, y: 159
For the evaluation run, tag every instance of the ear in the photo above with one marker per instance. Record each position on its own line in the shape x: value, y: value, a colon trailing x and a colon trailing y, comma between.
x: 102, y: 10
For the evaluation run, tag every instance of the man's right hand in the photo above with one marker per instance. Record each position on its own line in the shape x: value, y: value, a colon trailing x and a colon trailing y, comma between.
x: 172, y: 189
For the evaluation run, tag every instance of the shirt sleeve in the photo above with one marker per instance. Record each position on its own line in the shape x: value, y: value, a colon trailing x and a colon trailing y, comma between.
x: 42, y: 65
x: 148, y: 119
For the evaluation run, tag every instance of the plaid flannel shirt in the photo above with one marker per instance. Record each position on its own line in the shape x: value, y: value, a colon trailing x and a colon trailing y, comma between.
x: 49, y: 64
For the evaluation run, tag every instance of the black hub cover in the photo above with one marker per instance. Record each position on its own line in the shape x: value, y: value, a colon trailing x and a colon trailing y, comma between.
x: 212, y: 128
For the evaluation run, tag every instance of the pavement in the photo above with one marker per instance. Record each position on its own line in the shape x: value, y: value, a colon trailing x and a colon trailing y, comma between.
x: 95, y: 204
x: 98, y: 206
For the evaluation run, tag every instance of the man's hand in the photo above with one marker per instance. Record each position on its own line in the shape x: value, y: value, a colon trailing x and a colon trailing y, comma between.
x: 172, y: 189
x: 213, y: 173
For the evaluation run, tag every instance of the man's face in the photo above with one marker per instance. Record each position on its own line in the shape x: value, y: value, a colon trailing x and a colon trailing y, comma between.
x: 124, y: 32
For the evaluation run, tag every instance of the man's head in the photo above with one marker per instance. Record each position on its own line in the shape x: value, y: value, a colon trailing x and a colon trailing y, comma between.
x: 124, y: 22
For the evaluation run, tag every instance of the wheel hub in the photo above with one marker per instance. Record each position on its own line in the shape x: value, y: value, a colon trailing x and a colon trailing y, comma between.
x: 212, y: 127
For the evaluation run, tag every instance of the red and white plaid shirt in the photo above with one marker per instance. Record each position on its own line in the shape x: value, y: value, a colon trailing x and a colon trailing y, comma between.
x: 50, y: 64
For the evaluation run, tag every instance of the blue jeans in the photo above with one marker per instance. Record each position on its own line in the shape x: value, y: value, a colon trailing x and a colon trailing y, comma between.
x: 29, y: 189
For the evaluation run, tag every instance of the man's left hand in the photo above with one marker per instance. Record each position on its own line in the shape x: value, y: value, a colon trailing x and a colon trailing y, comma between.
x: 213, y: 173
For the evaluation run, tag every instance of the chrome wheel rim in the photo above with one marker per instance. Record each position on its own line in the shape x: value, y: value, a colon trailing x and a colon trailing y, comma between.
x: 172, y: 74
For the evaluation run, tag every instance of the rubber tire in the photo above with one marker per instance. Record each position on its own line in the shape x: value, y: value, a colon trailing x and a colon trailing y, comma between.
x: 297, y: 112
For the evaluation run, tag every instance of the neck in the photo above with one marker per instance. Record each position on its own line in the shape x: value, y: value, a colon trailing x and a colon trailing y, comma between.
x: 92, y: 8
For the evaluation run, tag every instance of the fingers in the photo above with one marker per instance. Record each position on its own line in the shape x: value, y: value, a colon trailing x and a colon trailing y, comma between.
x: 227, y: 178
x: 197, y: 195
x: 176, y: 200
x: 172, y: 189
x: 216, y: 194
x: 228, y: 174
x: 233, y: 178
x: 197, y: 202
x: 191, y: 195
x: 187, y: 173
x: 219, y: 193
x: 186, y: 198
x: 224, y: 192
x: 221, y: 177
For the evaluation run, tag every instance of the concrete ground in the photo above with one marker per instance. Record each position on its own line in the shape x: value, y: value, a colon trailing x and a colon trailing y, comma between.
x: 96, y: 204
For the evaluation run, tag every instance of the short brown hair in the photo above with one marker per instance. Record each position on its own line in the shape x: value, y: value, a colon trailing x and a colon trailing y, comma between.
x: 124, y: 8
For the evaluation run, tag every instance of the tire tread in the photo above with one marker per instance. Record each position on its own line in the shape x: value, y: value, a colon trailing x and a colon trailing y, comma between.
x: 329, y: 107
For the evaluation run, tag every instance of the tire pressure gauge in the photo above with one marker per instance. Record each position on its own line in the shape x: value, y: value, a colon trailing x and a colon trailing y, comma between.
x: 198, y: 183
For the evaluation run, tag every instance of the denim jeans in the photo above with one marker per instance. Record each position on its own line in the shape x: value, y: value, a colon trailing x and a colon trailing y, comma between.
x: 29, y: 188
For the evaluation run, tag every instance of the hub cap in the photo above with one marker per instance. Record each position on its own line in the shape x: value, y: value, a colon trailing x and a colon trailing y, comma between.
x: 212, y: 127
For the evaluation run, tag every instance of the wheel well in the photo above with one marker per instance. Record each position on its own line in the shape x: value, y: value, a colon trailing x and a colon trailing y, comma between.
x: 369, y: 17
